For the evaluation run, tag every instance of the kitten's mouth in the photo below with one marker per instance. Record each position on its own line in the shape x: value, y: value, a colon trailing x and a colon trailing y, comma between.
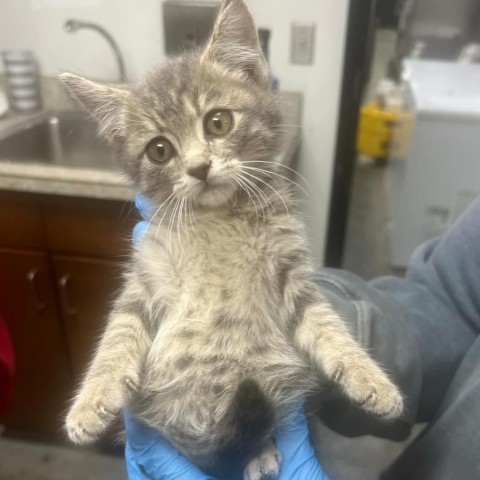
x: 214, y: 194
x: 209, y: 185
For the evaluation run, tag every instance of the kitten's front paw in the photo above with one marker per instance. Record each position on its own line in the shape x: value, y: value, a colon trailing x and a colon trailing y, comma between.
x: 371, y: 388
x: 264, y: 466
x: 87, y: 421
x: 92, y: 413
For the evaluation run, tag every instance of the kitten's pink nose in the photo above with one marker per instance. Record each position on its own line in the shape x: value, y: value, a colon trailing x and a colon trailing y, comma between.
x: 200, y: 171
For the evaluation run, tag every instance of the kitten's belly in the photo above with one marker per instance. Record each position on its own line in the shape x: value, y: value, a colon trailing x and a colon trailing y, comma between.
x: 193, y: 377
x: 188, y: 355
x: 225, y: 322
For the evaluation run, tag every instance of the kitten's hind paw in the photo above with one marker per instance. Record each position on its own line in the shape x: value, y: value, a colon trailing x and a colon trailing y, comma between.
x: 265, y: 465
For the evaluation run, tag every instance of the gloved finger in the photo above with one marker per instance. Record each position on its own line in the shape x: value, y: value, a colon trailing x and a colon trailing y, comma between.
x: 133, y: 469
x: 298, y: 456
x: 154, y: 457
x: 162, y: 461
x: 138, y: 231
x: 139, y: 435
x: 143, y: 206
x: 294, y: 433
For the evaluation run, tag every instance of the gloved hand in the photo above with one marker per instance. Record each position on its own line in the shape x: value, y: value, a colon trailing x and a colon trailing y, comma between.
x: 151, y: 457
x: 298, y: 456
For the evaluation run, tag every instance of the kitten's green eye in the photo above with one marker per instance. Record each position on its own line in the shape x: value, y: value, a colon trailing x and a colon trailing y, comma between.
x: 218, y: 123
x: 159, y: 150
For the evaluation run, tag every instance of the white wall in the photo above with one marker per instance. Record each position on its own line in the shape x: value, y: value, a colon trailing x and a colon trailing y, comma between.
x: 137, y: 26
x: 320, y: 84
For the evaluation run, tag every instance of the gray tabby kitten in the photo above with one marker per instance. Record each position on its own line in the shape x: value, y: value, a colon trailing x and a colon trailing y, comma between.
x: 219, y: 332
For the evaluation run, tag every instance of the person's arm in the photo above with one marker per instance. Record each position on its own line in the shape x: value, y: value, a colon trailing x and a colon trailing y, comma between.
x: 418, y: 328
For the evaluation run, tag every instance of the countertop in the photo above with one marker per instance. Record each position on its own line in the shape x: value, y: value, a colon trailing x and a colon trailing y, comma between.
x: 111, y: 184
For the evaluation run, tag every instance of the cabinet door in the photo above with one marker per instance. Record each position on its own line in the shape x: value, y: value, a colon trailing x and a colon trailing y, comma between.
x: 21, y: 221
x: 43, y: 380
x: 87, y: 227
x: 86, y: 289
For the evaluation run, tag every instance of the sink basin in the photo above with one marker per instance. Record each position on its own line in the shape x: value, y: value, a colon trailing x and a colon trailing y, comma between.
x: 66, y: 139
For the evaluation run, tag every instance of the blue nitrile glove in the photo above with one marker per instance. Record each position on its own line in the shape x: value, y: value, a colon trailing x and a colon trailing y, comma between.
x: 151, y: 457
x: 140, y: 227
x: 299, y: 461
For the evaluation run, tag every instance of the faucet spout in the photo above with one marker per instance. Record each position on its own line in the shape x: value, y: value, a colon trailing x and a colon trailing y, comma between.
x: 73, y: 26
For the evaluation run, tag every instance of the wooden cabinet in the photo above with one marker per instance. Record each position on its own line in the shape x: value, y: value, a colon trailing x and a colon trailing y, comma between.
x: 43, y: 379
x: 59, y: 272
x: 86, y: 288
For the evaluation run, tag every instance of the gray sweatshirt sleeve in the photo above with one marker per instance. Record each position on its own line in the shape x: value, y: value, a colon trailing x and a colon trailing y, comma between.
x: 418, y: 328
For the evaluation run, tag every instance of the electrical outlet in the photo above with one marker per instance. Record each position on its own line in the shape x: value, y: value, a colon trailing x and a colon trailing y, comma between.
x: 187, y: 24
x: 303, y: 44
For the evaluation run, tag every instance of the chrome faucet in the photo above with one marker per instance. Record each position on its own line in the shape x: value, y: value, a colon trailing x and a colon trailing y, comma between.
x: 74, y: 25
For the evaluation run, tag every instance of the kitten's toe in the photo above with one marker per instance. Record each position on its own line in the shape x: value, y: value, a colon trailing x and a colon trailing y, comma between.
x: 264, y: 466
x: 130, y: 384
x: 79, y: 435
x: 86, y: 422
x: 384, y: 400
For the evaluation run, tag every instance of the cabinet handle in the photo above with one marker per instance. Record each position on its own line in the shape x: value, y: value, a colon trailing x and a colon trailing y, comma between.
x: 63, y: 284
x: 32, y: 276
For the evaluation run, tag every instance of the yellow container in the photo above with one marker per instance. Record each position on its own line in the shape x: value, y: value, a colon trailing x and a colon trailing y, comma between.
x: 383, y: 133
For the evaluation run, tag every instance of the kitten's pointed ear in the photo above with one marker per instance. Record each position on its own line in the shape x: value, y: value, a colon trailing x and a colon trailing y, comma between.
x: 107, y: 104
x: 234, y: 43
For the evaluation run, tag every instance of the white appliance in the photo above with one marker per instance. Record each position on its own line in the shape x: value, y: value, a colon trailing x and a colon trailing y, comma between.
x: 440, y: 175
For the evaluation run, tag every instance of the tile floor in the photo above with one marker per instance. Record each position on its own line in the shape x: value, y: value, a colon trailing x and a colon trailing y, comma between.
x: 21, y: 460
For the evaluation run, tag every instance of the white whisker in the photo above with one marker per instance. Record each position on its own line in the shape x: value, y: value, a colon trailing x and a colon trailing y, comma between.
x: 180, y: 225
x: 163, y: 216
x: 246, y: 189
x: 270, y: 173
x: 157, y: 211
x: 307, y: 184
x: 263, y: 199
x: 273, y: 189
x: 192, y: 216
x: 287, y: 125
x: 171, y: 224
x: 259, y: 195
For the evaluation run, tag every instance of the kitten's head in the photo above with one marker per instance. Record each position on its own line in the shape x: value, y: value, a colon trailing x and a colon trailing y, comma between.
x: 185, y: 131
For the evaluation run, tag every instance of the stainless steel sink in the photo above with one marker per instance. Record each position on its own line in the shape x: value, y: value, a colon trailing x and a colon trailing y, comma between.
x: 64, y: 138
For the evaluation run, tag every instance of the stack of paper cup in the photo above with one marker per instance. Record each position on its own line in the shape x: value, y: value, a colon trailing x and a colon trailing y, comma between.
x: 22, y: 78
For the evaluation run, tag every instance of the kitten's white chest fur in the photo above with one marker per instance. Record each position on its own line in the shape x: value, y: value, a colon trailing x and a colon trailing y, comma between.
x: 225, y: 265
